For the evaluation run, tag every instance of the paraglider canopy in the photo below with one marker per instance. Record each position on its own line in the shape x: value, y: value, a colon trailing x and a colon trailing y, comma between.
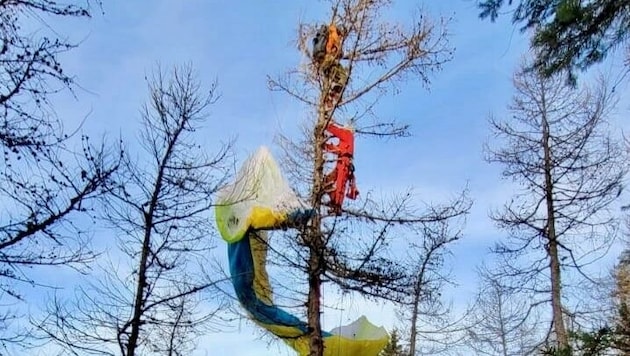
x: 260, y: 199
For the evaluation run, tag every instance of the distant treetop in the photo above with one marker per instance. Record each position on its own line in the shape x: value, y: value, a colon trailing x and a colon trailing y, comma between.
x: 568, y: 34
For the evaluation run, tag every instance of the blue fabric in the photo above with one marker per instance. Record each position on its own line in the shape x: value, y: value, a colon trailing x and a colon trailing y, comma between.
x: 242, y: 271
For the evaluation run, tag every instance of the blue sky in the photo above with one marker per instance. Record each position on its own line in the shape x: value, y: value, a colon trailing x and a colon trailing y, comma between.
x: 240, y: 45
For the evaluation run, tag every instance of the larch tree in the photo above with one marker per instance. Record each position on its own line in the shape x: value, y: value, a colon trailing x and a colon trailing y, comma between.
x: 499, y: 323
x: 567, y: 34
x: 425, y: 317
x: 49, y: 176
x: 350, y: 246
x: 160, y: 211
x: 556, y: 147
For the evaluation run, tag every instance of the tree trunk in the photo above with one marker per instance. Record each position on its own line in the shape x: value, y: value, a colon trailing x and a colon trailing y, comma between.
x: 502, y: 326
x: 142, y: 281
x: 314, y: 304
x: 314, y: 239
x: 552, y: 250
x: 414, y: 321
x: 140, y: 299
x: 556, y: 301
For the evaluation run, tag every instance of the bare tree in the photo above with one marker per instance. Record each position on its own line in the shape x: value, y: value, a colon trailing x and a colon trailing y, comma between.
x: 160, y: 211
x: 426, y: 317
x: 48, y: 180
x: 499, y: 323
x: 350, y: 246
x: 556, y: 146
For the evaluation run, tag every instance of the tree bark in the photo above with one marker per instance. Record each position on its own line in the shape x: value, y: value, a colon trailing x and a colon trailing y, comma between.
x: 314, y: 239
x: 502, y: 326
x: 314, y: 304
x: 552, y: 250
x: 140, y: 298
x: 142, y: 280
x: 414, y: 321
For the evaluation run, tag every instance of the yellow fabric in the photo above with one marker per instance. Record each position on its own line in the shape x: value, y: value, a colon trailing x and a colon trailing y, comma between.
x: 262, y: 288
x: 261, y: 218
x: 337, y: 345
x: 265, y: 218
x: 334, y: 345
x: 284, y: 332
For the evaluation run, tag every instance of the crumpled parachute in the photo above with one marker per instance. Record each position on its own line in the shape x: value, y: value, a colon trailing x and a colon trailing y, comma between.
x: 261, y: 199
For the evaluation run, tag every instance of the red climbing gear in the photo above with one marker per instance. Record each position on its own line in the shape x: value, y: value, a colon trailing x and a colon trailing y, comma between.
x: 340, y: 182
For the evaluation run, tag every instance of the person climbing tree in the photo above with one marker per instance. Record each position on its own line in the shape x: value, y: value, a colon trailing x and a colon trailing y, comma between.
x: 320, y: 41
x: 326, y: 53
